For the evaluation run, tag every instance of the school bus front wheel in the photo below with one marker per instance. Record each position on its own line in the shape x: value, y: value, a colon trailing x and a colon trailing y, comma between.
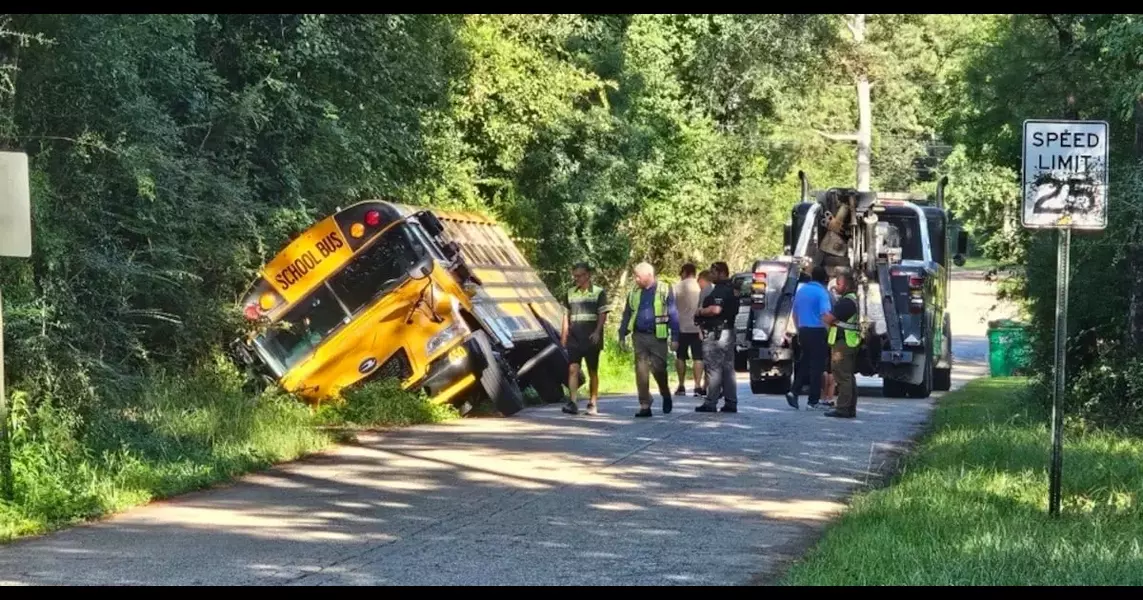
x: 497, y: 379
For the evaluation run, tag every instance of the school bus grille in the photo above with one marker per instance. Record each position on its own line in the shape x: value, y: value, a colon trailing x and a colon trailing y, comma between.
x: 397, y: 367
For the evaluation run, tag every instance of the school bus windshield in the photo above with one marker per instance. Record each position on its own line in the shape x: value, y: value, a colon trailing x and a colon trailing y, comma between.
x: 376, y: 270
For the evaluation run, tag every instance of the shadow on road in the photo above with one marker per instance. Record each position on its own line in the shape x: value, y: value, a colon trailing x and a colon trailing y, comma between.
x: 542, y: 498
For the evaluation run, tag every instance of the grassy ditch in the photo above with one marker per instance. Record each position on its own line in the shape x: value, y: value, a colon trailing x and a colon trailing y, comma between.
x: 970, y: 507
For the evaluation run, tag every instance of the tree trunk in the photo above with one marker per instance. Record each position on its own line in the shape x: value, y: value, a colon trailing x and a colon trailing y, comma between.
x: 864, y: 111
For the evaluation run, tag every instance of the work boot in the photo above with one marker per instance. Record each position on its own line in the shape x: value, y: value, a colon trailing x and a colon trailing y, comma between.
x: 571, y: 408
x: 841, y: 414
x: 729, y: 408
x: 708, y: 406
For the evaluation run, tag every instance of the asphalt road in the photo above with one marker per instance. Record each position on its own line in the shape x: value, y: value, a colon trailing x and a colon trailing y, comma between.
x: 541, y: 498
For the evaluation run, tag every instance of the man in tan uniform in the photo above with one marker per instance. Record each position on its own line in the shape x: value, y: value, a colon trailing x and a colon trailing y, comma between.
x: 690, y: 344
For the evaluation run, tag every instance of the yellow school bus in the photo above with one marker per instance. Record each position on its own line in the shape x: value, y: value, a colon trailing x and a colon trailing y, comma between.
x: 442, y: 301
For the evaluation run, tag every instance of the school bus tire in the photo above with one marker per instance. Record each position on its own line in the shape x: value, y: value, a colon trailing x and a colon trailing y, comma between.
x: 497, y: 380
x: 549, y: 380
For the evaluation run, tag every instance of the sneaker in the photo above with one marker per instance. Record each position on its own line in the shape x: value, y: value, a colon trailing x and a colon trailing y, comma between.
x: 643, y: 412
x: 840, y: 414
x: 571, y: 408
x: 706, y: 407
x: 591, y: 409
x: 668, y: 404
x: 729, y: 408
x: 792, y: 400
x: 681, y: 391
x: 699, y: 392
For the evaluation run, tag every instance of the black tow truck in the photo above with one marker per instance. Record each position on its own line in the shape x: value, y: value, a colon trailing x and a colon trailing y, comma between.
x: 898, y: 253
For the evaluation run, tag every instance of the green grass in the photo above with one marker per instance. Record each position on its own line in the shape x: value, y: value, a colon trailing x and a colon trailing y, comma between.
x: 970, y: 507
x: 617, y: 371
x: 179, y: 434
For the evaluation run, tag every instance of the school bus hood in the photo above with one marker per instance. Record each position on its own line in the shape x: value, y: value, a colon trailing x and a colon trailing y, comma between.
x: 364, y: 345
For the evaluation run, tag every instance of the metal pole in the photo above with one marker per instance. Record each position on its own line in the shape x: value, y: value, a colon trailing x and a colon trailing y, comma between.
x: 1062, y: 280
x: 6, y: 483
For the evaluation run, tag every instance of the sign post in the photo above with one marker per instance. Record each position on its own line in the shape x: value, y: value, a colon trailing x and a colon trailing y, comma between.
x: 1065, y: 181
x: 15, y: 240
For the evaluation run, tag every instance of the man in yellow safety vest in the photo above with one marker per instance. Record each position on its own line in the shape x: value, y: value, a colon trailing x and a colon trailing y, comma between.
x: 844, y: 348
x: 650, y: 316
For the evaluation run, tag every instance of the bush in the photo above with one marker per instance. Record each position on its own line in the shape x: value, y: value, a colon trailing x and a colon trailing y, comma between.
x: 383, y: 404
x: 175, y: 434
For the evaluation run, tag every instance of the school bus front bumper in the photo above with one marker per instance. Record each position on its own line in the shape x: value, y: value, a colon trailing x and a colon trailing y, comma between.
x: 453, y: 372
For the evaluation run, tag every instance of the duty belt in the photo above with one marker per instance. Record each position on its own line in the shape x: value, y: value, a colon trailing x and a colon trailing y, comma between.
x: 847, y: 326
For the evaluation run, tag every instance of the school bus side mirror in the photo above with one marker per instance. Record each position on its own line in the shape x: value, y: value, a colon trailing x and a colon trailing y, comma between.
x: 470, y: 289
x: 239, y: 354
x: 430, y: 222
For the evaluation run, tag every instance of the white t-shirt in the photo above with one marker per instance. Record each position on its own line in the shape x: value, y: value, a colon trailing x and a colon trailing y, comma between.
x: 687, y: 299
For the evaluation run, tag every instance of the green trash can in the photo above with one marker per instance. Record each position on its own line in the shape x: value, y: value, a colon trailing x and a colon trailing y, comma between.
x: 1009, y: 352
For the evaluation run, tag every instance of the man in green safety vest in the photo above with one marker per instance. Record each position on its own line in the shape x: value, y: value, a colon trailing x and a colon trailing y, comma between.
x: 844, y: 347
x: 650, y: 316
x: 582, y: 335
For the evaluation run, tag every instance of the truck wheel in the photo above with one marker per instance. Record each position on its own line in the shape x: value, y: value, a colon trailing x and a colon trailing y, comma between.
x: 777, y: 386
x: 549, y: 388
x: 549, y: 378
x: 497, y: 380
x: 892, y: 389
x: 942, y: 377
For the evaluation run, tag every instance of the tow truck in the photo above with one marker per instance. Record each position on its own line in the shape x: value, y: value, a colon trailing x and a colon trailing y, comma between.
x: 897, y: 252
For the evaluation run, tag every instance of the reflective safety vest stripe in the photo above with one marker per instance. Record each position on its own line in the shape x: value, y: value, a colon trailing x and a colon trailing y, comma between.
x: 661, y: 316
x: 850, y: 326
x: 583, y: 305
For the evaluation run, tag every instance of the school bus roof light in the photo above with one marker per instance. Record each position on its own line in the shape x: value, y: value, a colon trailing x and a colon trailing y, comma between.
x: 267, y: 301
x: 357, y: 230
x: 372, y: 218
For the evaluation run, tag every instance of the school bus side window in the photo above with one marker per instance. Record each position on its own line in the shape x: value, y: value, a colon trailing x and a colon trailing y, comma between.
x: 378, y: 269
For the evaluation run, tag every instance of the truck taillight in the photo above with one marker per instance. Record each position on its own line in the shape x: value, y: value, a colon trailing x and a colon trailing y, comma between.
x: 758, y: 289
x: 916, y: 282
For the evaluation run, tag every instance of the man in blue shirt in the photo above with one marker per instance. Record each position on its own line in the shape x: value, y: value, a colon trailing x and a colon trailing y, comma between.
x: 811, y: 302
x: 655, y: 316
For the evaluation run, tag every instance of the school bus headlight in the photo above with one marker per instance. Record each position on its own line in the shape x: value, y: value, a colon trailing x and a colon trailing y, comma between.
x: 357, y: 230
x: 445, y: 336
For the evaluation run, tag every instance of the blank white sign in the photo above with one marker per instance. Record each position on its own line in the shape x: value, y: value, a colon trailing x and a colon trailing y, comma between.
x: 15, y: 206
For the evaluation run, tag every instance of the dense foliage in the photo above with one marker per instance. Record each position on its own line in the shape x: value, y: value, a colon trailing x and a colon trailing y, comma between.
x: 1076, y: 67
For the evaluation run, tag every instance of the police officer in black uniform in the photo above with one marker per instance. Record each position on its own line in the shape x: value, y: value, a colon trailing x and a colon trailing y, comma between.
x: 716, y: 321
